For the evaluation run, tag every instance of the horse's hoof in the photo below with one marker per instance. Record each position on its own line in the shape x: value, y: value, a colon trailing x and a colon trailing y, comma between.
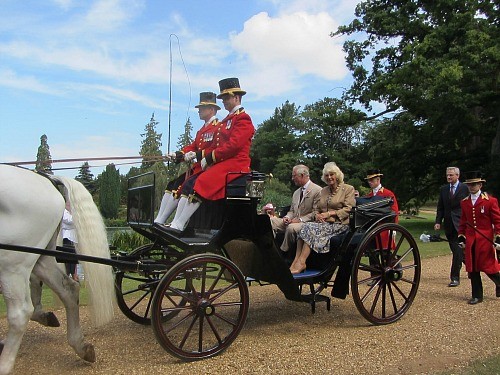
x: 52, y: 320
x: 89, y: 353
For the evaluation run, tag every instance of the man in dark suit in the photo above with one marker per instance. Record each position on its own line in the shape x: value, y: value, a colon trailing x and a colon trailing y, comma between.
x: 448, y: 209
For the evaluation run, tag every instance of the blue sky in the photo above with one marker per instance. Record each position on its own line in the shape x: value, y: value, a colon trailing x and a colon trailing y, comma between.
x: 89, y: 74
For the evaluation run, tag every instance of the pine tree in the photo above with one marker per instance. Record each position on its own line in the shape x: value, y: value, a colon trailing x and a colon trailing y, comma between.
x: 86, y: 177
x: 109, y: 191
x: 43, y: 158
x: 186, y: 138
x: 151, y: 144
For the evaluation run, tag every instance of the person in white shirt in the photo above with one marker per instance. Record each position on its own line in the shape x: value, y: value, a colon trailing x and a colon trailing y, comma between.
x: 69, y: 239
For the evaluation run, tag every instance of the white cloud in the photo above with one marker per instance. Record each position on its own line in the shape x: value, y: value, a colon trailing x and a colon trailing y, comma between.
x: 289, y: 46
x: 102, y: 146
x: 10, y: 79
x: 341, y: 10
x: 63, y: 4
x: 113, y: 94
x: 107, y: 15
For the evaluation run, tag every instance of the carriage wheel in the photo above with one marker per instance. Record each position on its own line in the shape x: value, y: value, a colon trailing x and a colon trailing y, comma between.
x: 385, y: 274
x: 134, y: 289
x: 206, y: 299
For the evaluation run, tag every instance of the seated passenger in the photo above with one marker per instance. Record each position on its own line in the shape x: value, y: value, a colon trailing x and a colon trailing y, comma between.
x: 301, y: 209
x: 331, y: 217
x: 269, y: 210
x: 207, y: 110
x: 230, y: 153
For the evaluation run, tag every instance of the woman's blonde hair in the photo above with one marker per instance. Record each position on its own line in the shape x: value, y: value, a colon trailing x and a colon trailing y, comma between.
x: 331, y: 167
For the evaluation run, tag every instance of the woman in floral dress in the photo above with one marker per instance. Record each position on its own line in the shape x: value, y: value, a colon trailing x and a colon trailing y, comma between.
x: 331, y: 217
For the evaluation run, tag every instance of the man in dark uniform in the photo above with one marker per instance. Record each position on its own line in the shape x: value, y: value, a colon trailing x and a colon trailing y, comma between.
x: 449, y: 210
x: 230, y: 152
x: 479, y: 227
x: 207, y: 110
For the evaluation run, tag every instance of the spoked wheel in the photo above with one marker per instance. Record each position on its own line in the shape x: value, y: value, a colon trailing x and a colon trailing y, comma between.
x: 134, y: 289
x: 205, y: 298
x: 385, y: 274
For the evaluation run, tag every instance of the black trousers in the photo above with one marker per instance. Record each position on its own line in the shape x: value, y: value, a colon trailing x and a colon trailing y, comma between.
x: 457, y: 254
x: 477, y: 284
x: 70, y: 267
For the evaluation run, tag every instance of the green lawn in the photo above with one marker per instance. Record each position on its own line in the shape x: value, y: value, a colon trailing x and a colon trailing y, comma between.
x: 424, y: 223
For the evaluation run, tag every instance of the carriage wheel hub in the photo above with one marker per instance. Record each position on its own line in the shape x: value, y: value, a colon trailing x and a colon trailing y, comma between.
x: 392, y: 274
x: 205, y: 308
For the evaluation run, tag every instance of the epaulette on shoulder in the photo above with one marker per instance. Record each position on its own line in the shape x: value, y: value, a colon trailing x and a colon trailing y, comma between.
x: 240, y: 110
x: 467, y: 197
x: 485, y: 196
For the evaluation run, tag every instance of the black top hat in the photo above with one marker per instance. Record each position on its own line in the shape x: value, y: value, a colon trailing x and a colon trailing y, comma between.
x: 373, y: 173
x: 207, y: 98
x: 473, y: 177
x: 230, y: 86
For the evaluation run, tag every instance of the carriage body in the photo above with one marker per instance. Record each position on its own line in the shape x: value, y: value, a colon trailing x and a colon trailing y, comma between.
x: 229, y: 244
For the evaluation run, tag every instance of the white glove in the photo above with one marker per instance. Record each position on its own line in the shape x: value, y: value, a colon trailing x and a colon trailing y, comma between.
x: 497, y: 246
x: 203, y: 164
x: 189, y: 156
x: 170, y: 156
x: 461, y: 245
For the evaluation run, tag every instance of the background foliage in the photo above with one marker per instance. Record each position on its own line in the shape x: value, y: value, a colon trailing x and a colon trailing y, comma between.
x: 424, y: 96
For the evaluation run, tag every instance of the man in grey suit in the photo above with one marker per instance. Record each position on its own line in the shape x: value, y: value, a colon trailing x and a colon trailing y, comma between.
x: 449, y: 210
x: 301, y: 209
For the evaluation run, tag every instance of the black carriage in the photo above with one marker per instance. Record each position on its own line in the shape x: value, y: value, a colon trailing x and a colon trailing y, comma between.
x: 193, y: 288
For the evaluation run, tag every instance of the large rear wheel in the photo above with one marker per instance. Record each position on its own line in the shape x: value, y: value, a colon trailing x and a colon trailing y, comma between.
x: 385, y: 274
x: 205, y: 298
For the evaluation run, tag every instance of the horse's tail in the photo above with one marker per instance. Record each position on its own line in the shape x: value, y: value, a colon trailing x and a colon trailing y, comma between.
x: 92, y: 240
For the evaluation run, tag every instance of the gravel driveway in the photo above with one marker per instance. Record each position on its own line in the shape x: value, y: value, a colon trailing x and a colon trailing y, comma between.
x: 439, y: 332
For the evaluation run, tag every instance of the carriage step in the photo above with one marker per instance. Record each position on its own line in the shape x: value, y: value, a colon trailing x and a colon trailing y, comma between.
x: 189, y: 237
x: 307, y: 274
x: 313, y: 298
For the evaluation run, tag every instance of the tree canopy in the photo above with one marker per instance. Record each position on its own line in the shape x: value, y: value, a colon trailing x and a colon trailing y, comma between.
x: 437, y: 61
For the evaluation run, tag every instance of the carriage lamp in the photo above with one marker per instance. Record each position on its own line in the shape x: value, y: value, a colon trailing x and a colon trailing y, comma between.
x: 255, y: 185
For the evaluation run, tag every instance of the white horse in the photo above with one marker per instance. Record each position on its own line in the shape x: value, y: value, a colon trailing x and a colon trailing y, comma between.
x: 31, y: 209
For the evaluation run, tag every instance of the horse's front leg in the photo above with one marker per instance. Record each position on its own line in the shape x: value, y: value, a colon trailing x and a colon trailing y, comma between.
x: 69, y: 293
x: 45, y: 318
x: 19, y: 309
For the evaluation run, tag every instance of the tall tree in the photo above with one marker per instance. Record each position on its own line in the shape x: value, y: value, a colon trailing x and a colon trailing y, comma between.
x: 439, y: 61
x: 109, y: 191
x: 275, y: 147
x: 330, y: 131
x: 151, y: 144
x: 43, y: 158
x: 186, y: 138
x: 86, y: 177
